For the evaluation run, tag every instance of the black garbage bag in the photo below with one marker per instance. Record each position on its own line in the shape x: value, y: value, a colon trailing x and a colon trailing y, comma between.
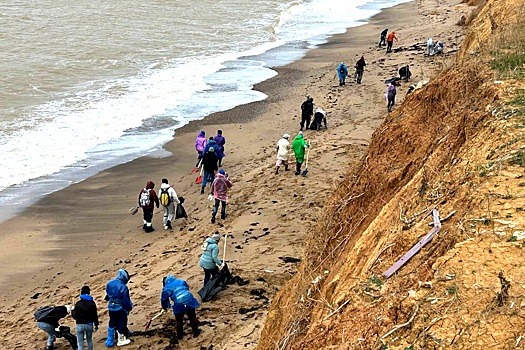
x: 216, y: 284
x: 180, y: 212
x: 65, y: 332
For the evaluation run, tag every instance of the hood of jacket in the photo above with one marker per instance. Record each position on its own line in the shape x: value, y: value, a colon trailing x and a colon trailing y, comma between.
x: 169, y: 279
x: 150, y: 185
x: 210, y: 240
x: 201, y: 134
x: 298, y: 137
x: 164, y: 186
x: 86, y: 297
x: 123, y: 276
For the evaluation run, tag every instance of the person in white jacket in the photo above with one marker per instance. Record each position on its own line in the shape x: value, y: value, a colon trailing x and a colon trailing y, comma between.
x: 283, y: 152
x: 168, y: 197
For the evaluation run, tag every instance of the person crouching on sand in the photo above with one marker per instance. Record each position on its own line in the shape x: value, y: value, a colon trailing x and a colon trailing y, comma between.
x: 219, y: 190
x: 184, y: 302
x: 200, y: 143
x: 210, y: 261
x: 283, y: 152
x: 299, y: 145
x: 147, y: 199
x: 119, y: 306
x: 47, y: 319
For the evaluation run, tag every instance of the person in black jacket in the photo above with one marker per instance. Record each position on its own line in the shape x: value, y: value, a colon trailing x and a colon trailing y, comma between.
x: 307, y: 110
x: 86, y: 315
x: 359, y: 69
x: 209, y: 165
x: 48, y: 321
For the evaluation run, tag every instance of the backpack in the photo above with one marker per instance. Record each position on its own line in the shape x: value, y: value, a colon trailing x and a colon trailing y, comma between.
x: 165, y: 198
x: 42, y: 312
x: 144, y: 200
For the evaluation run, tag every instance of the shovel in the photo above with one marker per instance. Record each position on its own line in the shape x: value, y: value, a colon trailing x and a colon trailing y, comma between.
x: 305, y: 171
x: 153, y: 318
x: 198, y: 180
x: 196, y: 169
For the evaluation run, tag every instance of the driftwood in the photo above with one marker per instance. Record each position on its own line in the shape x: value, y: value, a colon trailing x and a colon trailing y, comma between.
x: 417, y: 247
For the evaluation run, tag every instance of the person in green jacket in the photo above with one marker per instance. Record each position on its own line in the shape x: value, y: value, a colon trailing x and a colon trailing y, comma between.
x: 299, y: 144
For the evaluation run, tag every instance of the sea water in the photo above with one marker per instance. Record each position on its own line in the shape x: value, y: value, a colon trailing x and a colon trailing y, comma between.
x: 89, y: 84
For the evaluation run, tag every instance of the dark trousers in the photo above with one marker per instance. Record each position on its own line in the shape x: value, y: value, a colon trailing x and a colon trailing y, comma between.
x: 119, y: 321
x: 147, y: 214
x: 216, y: 209
x: 199, y: 157
x: 298, y: 166
x: 389, y: 46
x: 391, y: 102
x: 193, y: 322
x: 382, y: 40
x: 358, y: 76
x: 305, y: 119
x: 210, y: 273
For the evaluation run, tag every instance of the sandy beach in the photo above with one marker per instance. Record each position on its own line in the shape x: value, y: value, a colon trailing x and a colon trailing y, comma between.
x: 84, y: 233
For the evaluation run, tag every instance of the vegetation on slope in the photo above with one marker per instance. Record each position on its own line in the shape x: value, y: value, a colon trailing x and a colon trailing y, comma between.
x: 456, y: 145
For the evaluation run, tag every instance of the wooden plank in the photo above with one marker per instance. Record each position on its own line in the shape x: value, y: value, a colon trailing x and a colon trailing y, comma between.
x: 417, y: 247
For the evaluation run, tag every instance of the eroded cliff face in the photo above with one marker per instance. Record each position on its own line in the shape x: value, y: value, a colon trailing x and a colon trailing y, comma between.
x: 456, y: 145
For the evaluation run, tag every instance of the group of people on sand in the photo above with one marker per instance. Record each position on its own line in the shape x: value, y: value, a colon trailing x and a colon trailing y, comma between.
x: 175, y: 294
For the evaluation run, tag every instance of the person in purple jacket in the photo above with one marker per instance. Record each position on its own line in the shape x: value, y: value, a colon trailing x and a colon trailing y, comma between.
x: 220, y: 141
x: 200, y: 143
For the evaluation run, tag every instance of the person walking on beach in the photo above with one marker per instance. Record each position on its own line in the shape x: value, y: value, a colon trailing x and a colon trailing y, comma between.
x: 147, y: 199
x: 391, y: 96
x: 219, y: 190
x: 47, y: 319
x: 209, y: 260
x: 218, y: 153
x: 299, y: 145
x: 200, y: 143
x: 382, y: 38
x: 209, y: 164
x: 221, y: 141
x: 390, y: 41
x: 283, y: 152
x: 86, y: 315
x: 307, y: 110
x: 178, y: 291
x: 359, y: 69
x: 342, y: 72
x: 168, y: 198
x: 119, y: 306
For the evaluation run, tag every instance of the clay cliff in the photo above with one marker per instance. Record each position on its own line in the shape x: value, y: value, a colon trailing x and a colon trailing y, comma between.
x: 456, y: 146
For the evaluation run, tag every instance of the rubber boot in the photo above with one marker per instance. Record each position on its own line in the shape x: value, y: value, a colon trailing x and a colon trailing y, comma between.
x: 122, y: 340
x: 110, y: 340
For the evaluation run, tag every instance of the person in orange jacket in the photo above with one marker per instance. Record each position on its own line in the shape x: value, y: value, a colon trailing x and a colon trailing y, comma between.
x: 390, y: 41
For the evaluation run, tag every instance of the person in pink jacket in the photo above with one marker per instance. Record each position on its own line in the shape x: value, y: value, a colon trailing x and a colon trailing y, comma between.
x: 200, y: 144
x: 219, y: 190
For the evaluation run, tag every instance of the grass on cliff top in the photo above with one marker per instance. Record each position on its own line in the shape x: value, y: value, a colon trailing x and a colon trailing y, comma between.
x: 508, y: 53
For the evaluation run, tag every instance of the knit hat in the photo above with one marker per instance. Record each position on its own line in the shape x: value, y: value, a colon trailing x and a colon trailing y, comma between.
x: 216, y: 236
x: 286, y: 136
x: 85, y: 290
x: 211, y: 149
x: 222, y: 172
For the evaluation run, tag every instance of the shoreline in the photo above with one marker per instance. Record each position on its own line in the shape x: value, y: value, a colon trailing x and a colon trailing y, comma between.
x: 84, y: 232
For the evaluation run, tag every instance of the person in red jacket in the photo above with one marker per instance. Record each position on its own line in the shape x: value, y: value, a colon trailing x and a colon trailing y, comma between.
x: 147, y: 199
x: 390, y: 41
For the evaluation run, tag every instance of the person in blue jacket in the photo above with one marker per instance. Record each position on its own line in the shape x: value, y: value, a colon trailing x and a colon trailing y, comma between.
x: 119, y: 306
x: 210, y: 261
x: 178, y: 291
x: 342, y: 72
x: 218, y: 150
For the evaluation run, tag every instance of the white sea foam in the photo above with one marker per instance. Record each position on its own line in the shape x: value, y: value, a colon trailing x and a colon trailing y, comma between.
x: 123, y: 102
